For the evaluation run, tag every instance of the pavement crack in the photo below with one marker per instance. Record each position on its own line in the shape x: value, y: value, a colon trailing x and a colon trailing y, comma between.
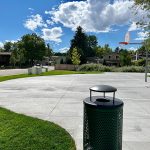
x: 63, y: 95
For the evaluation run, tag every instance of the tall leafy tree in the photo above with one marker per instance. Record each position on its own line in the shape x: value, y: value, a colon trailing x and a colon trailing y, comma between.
x: 145, y: 46
x: 31, y: 48
x: 8, y: 46
x: 18, y: 56
x: 14, y: 58
x: 125, y: 58
x: 107, y: 49
x: 34, y: 46
x: 92, y: 44
x: 145, y: 5
x: 101, y: 51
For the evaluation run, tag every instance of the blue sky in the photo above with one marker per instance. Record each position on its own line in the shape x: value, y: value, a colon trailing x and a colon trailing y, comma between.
x: 56, y: 21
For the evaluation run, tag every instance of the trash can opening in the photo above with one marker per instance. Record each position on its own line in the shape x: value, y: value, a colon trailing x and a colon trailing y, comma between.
x: 103, y: 100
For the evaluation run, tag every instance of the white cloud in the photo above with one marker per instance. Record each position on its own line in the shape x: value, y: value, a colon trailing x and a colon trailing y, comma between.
x: 1, y: 45
x: 12, y: 41
x: 133, y: 27
x: 63, y: 50
x: 52, y: 34
x: 96, y: 15
x: 133, y: 48
x: 31, y: 9
x: 47, y: 12
x: 34, y: 22
x: 93, y: 15
x: 142, y: 36
x: 49, y: 22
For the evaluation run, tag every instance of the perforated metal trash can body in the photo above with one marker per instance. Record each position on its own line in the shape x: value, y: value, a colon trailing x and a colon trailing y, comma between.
x: 103, y: 122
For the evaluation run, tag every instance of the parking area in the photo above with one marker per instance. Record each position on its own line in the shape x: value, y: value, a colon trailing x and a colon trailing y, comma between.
x: 60, y: 99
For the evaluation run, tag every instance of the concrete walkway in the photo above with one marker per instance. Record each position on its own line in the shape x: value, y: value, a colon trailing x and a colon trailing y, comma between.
x: 60, y: 99
x: 7, y: 72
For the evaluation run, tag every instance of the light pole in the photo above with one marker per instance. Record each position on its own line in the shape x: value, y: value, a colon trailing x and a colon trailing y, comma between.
x: 146, y: 62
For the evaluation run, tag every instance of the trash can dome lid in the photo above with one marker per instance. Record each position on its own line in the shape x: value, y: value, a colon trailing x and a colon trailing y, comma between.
x: 103, y: 88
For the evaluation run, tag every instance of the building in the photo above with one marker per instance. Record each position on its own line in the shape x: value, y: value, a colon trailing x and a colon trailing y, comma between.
x: 111, y: 59
x: 5, y: 58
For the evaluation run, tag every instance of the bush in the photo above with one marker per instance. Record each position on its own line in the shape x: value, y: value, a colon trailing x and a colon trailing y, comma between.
x: 130, y: 69
x: 95, y: 67
x: 102, y: 68
x: 140, y: 62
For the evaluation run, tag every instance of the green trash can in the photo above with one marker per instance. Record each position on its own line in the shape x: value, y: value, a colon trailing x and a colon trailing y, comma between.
x: 103, y: 120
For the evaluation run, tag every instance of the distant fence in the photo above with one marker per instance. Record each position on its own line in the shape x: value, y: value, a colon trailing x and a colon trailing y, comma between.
x: 65, y: 67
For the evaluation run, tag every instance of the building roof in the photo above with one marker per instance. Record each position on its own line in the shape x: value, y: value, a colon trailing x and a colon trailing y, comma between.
x: 5, y: 53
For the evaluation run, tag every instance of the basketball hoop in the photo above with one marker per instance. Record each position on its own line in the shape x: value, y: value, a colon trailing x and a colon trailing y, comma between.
x: 124, y: 43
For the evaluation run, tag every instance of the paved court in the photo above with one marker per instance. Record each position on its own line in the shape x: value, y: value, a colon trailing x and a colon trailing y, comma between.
x: 60, y: 99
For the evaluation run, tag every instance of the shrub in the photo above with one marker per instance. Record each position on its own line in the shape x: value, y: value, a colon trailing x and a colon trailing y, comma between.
x: 130, y: 69
x: 102, y: 68
x: 140, y: 62
x: 94, y: 67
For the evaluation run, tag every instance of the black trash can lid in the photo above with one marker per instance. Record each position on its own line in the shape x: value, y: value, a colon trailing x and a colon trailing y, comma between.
x: 103, y: 103
x: 103, y: 88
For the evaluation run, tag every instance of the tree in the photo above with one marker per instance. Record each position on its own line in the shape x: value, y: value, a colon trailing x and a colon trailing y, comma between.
x: 147, y: 44
x: 31, y: 48
x: 92, y: 44
x: 18, y: 55
x: 60, y: 54
x: 1, y: 49
x: 144, y: 47
x: 107, y: 49
x: 75, y: 58
x: 13, y: 58
x: 85, y: 44
x: 8, y: 46
x: 145, y: 5
x: 125, y: 58
x: 80, y: 42
x: 34, y: 46
x: 117, y: 49
x: 49, y: 51
x: 101, y: 51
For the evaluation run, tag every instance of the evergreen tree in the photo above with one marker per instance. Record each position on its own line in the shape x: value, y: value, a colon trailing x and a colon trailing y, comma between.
x: 80, y: 41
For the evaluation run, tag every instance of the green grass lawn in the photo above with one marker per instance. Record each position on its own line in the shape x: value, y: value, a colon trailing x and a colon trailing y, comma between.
x: 53, y: 72
x: 20, y: 132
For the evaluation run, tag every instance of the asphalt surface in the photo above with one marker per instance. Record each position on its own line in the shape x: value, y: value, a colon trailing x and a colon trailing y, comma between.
x: 7, y: 72
x: 60, y: 99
